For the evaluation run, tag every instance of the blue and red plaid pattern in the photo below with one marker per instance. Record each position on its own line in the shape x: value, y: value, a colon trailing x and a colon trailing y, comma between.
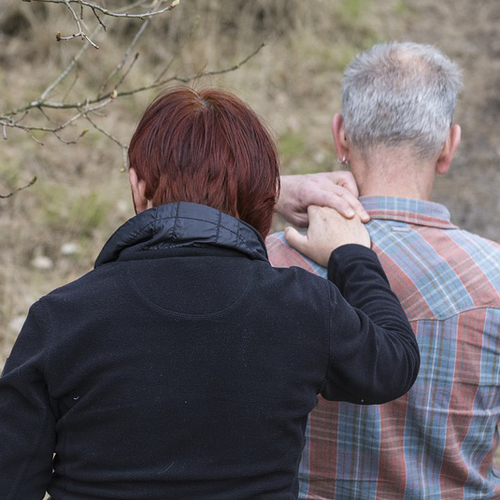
x: 438, y: 441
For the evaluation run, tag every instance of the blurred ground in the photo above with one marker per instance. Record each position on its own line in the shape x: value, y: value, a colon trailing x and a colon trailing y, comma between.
x: 469, y: 32
x: 52, y: 232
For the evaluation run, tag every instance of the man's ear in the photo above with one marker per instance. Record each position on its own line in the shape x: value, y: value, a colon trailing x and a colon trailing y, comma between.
x: 339, y: 137
x: 448, y: 152
x: 138, y: 187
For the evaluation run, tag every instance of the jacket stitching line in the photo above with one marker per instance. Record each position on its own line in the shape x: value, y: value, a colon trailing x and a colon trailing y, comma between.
x: 192, y: 316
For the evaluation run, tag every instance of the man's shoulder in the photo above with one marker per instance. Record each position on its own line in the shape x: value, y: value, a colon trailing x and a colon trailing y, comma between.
x: 281, y: 254
x: 491, y: 245
x: 483, y: 254
x: 434, y: 244
x: 438, y: 272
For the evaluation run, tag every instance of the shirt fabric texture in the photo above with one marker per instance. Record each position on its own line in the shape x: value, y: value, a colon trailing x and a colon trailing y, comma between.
x: 184, y: 365
x: 438, y: 441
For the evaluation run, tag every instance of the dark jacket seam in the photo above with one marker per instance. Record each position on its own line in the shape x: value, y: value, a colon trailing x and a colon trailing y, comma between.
x: 192, y: 316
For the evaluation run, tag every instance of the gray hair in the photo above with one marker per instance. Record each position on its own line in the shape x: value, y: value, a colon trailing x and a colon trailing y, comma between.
x: 400, y: 94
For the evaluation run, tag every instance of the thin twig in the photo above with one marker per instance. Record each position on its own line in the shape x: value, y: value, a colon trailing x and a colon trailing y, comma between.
x: 126, y: 54
x: 114, y: 94
x: 73, y: 83
x: 12, y: 193
x: 71, y: 141
x: 188, y: 79
x: 58, y: 128
x: 91, y: 106
x: 106, y: 133
x: 98, y: 18
x: 68, y: 69
x: 123, y: 147
x: 131, y: 6
x: 45, y: 114
x: 129, y: 69
x: 81, y: 33
x: 110, y: 13
x: 236, y: 66
x: 194, y: 25
x: 60, y: 78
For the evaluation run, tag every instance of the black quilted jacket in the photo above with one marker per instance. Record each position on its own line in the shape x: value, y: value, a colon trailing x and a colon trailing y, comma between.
x: 184, y: 366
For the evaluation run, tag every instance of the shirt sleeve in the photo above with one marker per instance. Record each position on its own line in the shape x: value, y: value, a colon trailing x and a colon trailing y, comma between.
x: 27, y: 422
x: 374, y: 356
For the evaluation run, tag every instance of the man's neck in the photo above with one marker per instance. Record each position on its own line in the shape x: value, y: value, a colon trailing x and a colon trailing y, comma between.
x: 398, y: 175
x: 406, y: 190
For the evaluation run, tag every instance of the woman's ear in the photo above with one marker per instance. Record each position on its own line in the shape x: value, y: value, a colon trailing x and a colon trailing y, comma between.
x: 138, y: 187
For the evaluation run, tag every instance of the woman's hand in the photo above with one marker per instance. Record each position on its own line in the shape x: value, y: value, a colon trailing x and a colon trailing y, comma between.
x: 327, y: 189
x: 327, y: 231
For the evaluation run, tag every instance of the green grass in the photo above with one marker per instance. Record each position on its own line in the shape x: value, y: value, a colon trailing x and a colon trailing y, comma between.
x: 291, y: 145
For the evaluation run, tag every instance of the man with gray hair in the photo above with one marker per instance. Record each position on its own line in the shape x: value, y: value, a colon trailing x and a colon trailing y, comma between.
x: 438, y: 441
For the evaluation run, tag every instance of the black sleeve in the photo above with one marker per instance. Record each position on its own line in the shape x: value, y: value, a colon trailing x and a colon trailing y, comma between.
x: 27, y: 422
x: 374, y: 356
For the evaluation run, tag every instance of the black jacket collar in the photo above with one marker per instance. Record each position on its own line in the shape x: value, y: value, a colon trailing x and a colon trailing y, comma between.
x: 182, y: 224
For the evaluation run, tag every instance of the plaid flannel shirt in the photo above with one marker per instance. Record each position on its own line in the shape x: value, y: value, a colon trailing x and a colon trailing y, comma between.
x: 438, y: 441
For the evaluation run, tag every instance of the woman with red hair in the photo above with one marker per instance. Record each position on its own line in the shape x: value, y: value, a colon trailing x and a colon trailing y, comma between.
x: 184, y: 366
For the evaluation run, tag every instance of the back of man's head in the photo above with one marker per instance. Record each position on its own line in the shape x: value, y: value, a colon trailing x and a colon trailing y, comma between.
x: 400, y: 94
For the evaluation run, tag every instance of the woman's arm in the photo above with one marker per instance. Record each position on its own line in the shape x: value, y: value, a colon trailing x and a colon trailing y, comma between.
x: 374, y: 357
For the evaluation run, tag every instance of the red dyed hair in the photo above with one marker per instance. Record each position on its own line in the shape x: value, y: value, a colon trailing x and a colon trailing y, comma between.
x: 207, y: 147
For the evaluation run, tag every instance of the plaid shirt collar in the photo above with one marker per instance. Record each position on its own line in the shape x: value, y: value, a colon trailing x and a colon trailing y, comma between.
x: 412, y: 211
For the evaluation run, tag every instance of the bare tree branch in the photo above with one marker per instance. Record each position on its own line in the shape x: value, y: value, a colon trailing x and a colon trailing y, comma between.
x: 58, y: 128
x: 194, y: 25
x: 126, y: 54
x: 81, y: 33
x: 114, y: 93
x: 123, y: 147
x: 24, y: 118
x: 12, y: 193
x: 109, y: 13
x: 97, y: 17
x: 71, y: 66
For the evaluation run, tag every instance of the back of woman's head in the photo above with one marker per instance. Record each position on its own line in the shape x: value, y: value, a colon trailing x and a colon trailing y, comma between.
x: 207, y: 147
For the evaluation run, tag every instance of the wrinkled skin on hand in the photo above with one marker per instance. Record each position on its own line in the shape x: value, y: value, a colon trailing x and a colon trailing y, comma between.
x: 337, y: 190
x: 327, y: 230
